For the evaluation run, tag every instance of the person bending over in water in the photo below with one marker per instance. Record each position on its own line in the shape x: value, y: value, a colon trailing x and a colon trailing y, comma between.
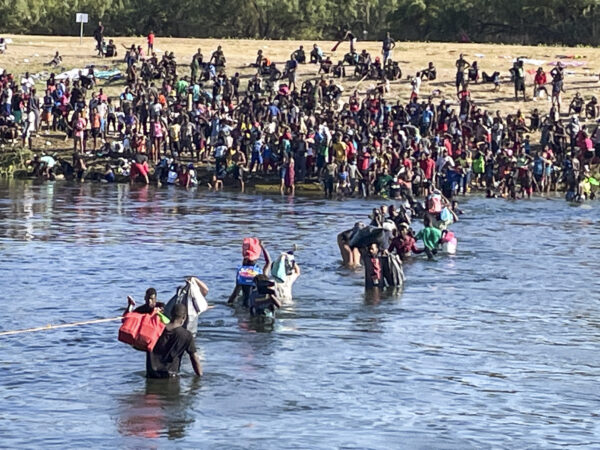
x: 350, y: 256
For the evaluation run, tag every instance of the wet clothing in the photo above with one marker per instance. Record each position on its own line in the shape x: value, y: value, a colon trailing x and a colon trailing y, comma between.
x: 431, y: 237
x: 373, y: 271
x: 165, y: 360
x: 261, y: 305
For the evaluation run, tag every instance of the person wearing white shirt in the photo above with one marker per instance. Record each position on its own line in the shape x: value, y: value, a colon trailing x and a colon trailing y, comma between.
x: 27, y: 83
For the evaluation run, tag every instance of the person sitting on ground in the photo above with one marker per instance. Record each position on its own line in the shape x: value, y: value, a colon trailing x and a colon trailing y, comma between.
x: 430, y: 73
x: 576, y: 104
x: 316, y: 55
x: 260, y: 62
x: 55, y: 61
x: 351, y: 58
x: 299, y: 55
x: 339, y: 71
x: 111, y: 49
x: 592, y: 109
x: 325, y: 66
x: 473, y: 72
x: 218, y: 58
x: 392, y: 70
x: 363, y: 64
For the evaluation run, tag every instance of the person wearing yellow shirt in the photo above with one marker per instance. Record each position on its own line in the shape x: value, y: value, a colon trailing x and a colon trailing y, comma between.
x: 339, y: 150
x: 174, y: 132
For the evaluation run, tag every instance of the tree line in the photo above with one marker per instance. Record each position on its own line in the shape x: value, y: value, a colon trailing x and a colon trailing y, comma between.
x: 570, y: 22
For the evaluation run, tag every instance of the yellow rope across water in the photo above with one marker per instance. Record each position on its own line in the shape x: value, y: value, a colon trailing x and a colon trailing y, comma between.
x: 62, y: 325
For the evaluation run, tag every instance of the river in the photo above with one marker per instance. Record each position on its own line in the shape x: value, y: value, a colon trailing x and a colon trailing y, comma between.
x: 494, y: 347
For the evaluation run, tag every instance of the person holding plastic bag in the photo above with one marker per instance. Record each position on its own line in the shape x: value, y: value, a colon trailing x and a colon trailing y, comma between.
x: 285, y: 272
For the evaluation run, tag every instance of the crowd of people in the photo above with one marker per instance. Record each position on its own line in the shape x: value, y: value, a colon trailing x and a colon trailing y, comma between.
x: 173, y: 116
x: 166, y: 331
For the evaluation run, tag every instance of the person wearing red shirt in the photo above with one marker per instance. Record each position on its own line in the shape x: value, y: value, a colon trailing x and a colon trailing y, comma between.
x: 404, y: 243
x: 350, y: 149
x: 150, y: 42
x: 427, y: 166
x: 539, y: 81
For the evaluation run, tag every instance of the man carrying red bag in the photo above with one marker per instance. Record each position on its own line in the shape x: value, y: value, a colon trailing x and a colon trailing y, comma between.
x: 165, y: 344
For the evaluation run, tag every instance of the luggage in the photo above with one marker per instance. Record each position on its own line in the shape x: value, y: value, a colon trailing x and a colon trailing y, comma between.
x: 191, y: 296
x: 393, y: 274
x: 141, y: 330
x: 449, y: 243
x: 367, y: 236
x: 282, y: 267
x: 246, y: 274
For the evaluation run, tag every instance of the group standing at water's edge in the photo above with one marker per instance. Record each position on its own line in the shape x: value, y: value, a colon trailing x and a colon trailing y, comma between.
x: 369, y: 143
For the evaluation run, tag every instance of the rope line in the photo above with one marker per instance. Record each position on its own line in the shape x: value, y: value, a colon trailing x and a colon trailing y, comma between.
x: 62, y: 325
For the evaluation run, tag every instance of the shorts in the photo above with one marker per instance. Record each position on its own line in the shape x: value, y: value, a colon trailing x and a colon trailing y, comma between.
x: 256, y: 158
x: 520, y: 84
x: 460, y: 78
